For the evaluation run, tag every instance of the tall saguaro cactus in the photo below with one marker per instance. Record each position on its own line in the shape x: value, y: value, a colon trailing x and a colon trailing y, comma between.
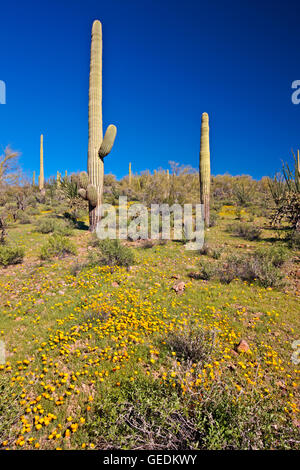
x: 41, y: 177
x: 130, y: 174
x: 204, y: 167
x: 33, y: 178
x: 91, y: 183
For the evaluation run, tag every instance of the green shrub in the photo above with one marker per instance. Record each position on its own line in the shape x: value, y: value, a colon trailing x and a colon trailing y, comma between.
x: 277, y: 255
x: 194, y: 345
x: 111, y: 253
x: 248, y: 231
x: 57, y: 245
x: 250, y: 268
x: 52, y: 225
x: 24, y: 218
x: 32, y: 211
x: 11, y: 255
x: 207, y: 271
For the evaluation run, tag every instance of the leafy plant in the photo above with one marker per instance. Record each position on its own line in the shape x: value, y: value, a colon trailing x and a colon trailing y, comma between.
x: 111, y: 253
x: 11, y: 254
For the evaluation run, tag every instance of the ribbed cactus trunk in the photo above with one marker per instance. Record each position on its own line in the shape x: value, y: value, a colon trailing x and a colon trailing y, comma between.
x: 41, y: 177
x: 95, y: 164
x: 204, y: 167
x: 91, y: 183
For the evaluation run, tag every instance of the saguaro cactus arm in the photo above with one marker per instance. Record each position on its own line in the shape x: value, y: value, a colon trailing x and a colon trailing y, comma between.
x: 108, y: 141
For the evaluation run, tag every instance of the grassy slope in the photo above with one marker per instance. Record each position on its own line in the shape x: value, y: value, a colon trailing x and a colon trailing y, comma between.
x: 92, y: 362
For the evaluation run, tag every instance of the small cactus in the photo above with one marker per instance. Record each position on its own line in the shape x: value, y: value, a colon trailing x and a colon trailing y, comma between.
x: 204, y: 167
x: 41, y: 177
x: 91, y: 183
x: 33, y: 179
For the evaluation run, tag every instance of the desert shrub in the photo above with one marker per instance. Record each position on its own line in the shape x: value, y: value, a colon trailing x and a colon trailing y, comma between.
x: 11, y: 254
x: 248, y: 231
x: 235, y: 267
x: 24, y: 219
x: 277, y: 255
x: 111, y: 253
x: 192, y: 345
x: 216, y: 253
x: 32, y: 211
x: 213, y: 218
x: 252, y: 267
x: 52, y: 225
x: 252, y: 423
x: 294, y: 240
x: 209, y: 251
x: 57, y: 245
x: 205, y: 250
x: 207, y: 271
x: 45, y: 226
x: 143, y: 414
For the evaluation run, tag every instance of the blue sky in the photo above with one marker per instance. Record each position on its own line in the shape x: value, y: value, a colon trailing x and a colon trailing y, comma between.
x: 164, y: 63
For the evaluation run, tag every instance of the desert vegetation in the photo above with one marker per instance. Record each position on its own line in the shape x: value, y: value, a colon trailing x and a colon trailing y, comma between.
x: 142, y: 343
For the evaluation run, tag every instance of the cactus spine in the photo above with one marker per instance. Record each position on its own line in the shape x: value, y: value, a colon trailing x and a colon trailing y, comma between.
x: 130, y: 174
x: 41, y: 177
x: 91, y: 183
x: 204, y: 167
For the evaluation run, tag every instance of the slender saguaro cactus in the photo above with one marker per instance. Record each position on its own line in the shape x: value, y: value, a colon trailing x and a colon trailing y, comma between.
x: 204, y: 167
x: 130, y: 174
x: 91, y: 183
x: 33, y: 178
x: 41, y: 177
x: 58, y: 179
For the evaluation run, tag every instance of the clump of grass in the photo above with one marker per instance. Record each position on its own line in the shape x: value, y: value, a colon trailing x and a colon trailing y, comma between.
x: 57, y: 246
x: 248, y: 231
x: 111, y: 253
x: 11, y: 255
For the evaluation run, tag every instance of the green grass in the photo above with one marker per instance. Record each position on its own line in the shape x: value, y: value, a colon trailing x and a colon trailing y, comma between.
x: 91, y: 354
